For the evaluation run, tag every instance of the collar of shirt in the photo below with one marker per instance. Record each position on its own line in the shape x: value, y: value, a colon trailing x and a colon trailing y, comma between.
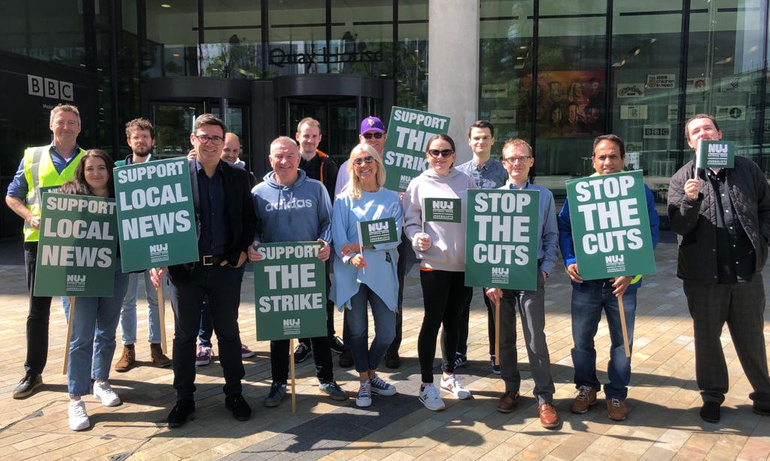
x: 480, y: 167
x: 199, y: 167
x: 513, y: 186
x: 55, y: 152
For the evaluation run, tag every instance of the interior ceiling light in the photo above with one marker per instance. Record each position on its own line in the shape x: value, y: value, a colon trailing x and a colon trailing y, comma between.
x: 165, y: 5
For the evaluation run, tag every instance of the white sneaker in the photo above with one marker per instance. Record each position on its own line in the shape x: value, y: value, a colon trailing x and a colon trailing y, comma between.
x: 382, y: 387
x: 452, y: 384
x: 430, y: 398
x: 78, y: 417
x: 364, y: 398
x: 103, y: 391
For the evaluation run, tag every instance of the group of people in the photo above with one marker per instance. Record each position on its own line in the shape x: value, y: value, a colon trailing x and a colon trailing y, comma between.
x: 722, y: 216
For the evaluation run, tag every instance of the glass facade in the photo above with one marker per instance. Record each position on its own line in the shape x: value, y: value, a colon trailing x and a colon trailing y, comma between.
x: 557, y: 73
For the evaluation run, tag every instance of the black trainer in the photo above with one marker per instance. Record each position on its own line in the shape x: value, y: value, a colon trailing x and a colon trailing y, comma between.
x: 237, y: 404
x: 302, y: 353
x: 336, y: 345
x: 710, y: 412
x: 181, y: 412
x: 27, y: 385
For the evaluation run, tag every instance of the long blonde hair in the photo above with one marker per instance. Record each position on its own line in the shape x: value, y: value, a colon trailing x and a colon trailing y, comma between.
x: 353, y: 188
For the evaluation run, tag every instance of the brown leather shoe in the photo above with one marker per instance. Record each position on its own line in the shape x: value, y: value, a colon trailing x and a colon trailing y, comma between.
x: 127, y: 359
x: 585, y: 398
x: 159, y: 359
x: 616, y: 409
x: 507, y: 402
x: 548, y: 416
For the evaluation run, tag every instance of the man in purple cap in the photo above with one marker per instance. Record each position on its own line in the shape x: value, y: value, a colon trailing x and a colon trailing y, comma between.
x: 373, y: 133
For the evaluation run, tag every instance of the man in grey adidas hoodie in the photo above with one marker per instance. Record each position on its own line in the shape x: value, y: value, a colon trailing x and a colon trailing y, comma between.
x: 291, y: 207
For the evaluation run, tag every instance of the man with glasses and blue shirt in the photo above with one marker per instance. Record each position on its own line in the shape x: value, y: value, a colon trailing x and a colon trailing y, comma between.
x: 487, y: 173
x: 518, y: 160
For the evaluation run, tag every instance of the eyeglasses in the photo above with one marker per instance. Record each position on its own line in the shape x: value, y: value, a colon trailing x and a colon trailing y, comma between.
x: 373, y: 135
x: 361, y: 161
x: 215, y: 140
x: 444, y: 153
x: 514, y: 160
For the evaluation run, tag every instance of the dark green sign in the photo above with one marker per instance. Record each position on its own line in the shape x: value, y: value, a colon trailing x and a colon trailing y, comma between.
x: 405, y: 147
x: 77, y: 248
x: 610, y: 225
x: 715, y: 154
x: 290, y: 291
x: 156, y: 221
x: 442, y: 210
x: 502, y: 228
x: 378, y: 231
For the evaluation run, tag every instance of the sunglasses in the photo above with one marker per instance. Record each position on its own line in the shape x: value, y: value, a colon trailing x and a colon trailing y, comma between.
x: 444, y: 153
x: 373, y: 135
x: 361, y: 161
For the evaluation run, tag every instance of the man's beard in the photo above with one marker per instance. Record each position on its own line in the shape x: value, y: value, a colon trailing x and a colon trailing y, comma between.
x: 143, y: 154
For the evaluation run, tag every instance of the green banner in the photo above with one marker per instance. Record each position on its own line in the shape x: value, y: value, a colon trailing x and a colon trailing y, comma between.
x: 610, y: 225
x: 156, y: 221
x: 715, y: 154
x: 378, y: 231
x: 442, y: 210
x: 404, y: 151
x: 77, y: 249
x: 290, y: 291
x: 502, y: 228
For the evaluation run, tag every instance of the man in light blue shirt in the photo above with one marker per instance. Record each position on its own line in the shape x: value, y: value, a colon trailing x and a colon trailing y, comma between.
x: 487, y: 173
x: 517, y: 160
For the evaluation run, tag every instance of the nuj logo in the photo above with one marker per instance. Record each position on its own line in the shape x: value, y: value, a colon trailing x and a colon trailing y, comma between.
x: 378, y: 226
x: 614, y: 259
x: 76, y: 278
x: 159, y: 248
x: 290, y: 323
x: 500, y: 271
x: 443, y: 205
x: 717, y: 148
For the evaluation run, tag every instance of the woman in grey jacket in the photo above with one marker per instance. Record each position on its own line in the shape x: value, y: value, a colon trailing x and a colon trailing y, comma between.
x: 439, y: 242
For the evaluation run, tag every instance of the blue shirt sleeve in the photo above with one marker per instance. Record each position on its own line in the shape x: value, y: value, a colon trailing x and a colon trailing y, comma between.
x: 18, y: 187
x: 324, y: 215
x: 550, y: 235
x: 565, y: 236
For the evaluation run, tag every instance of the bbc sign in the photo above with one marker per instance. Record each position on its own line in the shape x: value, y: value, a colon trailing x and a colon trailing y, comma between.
x: 50, y: 88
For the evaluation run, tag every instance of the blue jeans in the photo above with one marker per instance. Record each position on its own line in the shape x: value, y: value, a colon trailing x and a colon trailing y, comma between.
x: 588, y: 301
x: 358, y: 329
x: 128, y: 310
x: 93, y: 337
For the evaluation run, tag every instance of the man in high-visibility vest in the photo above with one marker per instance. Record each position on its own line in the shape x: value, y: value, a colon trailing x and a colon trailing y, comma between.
x: 41, y: 167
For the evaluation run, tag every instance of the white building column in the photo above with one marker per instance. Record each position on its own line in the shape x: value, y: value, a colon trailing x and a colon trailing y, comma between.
x: 453, y: 66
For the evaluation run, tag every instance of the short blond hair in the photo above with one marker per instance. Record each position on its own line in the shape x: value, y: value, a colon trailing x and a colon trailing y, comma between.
x: 65, y: 108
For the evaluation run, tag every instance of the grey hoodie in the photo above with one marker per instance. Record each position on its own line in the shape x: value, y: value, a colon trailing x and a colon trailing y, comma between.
x: 296, y: 213
x: 447, y: 250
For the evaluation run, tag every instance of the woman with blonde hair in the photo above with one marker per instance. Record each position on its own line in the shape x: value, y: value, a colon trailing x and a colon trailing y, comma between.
x: 368, y: 274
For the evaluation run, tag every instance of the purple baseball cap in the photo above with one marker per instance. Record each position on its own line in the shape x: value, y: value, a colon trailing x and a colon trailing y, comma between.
x: 372, y: 124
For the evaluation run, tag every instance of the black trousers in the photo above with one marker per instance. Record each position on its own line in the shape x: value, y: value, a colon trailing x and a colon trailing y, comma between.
x: 444, y: 295
x: 742, y: 307
x: 222, y: 286
x: 37, y: 318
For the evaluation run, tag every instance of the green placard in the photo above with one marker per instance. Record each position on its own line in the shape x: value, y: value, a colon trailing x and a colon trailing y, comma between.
x: 290, y: 291
x: 610, y: 225
x: 77, y: 249
x: 715, y: 154
x: 378, y: 231
x: 404, y: 152
x: 502, y: 229
x: 442, y: 210
x: 156, y: 221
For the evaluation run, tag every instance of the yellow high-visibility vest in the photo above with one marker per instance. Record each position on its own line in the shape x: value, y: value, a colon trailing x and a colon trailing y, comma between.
x: 39, y: 171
